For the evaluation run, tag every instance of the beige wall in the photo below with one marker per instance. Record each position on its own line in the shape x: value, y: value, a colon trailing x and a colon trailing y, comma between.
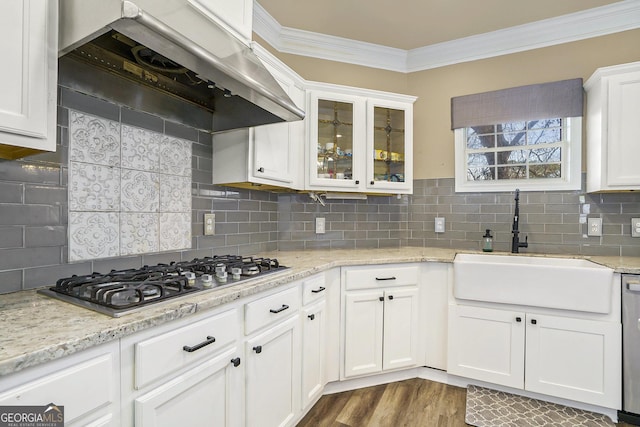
x: 433, y: 138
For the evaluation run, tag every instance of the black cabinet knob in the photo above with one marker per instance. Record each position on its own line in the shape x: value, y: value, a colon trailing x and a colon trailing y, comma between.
x: 381, y: 298
x: 372, y: 182
x: 258, y: 349
x: 235, y: 362
x: 390, y: 296
x: 357, y: 182
x: 518, y: 319
x: 534, y: 321
x: 311, y: 316
x: 260, y: 169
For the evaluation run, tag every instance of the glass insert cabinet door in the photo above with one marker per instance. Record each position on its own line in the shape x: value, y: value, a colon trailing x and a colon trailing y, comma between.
x: 389, y: 146
x: 337, y: 141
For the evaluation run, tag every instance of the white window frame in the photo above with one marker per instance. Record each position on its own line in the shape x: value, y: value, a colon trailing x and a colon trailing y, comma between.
x: 571, y: 166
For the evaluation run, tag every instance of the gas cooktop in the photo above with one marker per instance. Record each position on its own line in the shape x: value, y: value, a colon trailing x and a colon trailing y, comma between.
x: 121, y: 292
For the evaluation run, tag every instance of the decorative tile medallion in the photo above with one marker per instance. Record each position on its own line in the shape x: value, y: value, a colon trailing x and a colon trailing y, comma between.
x: 93, y: 139
x: 93, y: 235
x: 139, y: 233
x: 93, y: 187
x: 140, y: 149
x: 175, y: 231
x: 129, y: 189
x: 140, y: 191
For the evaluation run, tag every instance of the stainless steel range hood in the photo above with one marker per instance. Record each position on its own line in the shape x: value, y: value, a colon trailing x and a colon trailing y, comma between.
x: 210, y: 68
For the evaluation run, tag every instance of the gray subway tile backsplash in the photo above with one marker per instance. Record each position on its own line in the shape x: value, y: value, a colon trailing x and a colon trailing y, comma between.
x: 34, y: 220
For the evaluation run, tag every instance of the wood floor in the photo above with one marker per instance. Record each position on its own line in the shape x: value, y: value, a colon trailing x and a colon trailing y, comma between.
x: 409, y: 403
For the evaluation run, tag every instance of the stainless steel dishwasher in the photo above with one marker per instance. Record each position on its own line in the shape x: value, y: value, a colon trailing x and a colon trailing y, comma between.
x: 630, y: 349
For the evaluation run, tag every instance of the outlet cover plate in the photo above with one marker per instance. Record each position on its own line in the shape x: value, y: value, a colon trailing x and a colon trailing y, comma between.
x: 209, y: 224
x: 594, y: 226
x: 635, y: 227
x: 320, y: 226
x: 439, y: 225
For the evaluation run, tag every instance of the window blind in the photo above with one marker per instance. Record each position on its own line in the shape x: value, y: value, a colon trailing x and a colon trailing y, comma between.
x: 538, y: 101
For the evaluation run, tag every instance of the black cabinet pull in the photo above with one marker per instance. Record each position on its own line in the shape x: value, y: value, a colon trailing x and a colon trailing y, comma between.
x: 258, y: 349
x: 317, y: 291
x: 210, y: 340
x: 278, y: 310
x: 311, y: 316
x: 357, y: 182
x: 235, y: 362
x: 373, y: 182
x: 518, y: 319
x: 390, y: 296
x: 260, y: 169
x: 386, y: 278
x: 381, y: 298
x: 534, y: 321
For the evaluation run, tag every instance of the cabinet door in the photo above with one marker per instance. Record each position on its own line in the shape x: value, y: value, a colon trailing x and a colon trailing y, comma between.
x: 389, y: 145
x: 623, y: 130
x: 400, y: 348
x: 363, y: 330
x: 336, y: 138
x: 28, y: 30
x: 575, y: 359
x: 486, y: 345
x: 273, y: 375
x: 313, y: 338
x: 209, y: 394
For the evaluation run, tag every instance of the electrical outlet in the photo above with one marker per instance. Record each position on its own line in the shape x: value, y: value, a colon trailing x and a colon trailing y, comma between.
x: 439, y: 225
x: 594, y: 226
x: 635, y: 227
x: 209, y: 224
x: 320, y: 226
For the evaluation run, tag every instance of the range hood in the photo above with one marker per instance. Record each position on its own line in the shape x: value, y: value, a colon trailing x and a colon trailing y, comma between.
x: 210, y: 69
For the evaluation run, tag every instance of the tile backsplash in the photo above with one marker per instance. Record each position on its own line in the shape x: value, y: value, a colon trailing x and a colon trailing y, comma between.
x: 129, y: 189
x: 38, y: 200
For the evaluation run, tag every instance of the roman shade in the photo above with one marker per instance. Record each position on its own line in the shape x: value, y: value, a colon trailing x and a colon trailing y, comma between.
x: 538, y: 101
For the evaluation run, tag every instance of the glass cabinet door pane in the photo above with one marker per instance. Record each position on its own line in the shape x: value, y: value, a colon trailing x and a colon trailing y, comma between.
x: 388, y: 144
x: 335, y: 140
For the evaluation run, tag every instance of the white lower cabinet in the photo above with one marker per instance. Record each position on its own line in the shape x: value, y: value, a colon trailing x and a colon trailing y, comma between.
x: 209, y: 394
x: 313, y: 348
x: 86, y: 384
x: 571, y: 358
x: 380, y: 330
x: 273, y: 375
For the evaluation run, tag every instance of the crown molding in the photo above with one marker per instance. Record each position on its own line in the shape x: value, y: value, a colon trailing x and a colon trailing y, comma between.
x: 599, y: 21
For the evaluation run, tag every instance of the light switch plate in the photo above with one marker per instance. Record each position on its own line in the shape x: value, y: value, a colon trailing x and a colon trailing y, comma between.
x: 439, y: 225
x: 635, y: 227
x: 594, y: 226
x: 209, y: 224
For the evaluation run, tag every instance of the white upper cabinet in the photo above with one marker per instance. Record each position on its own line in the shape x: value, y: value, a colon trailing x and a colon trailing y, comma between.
x: 359, y: 140
x: 28, y: 41
x: 613, y: 128
x: 236, y: 16
x: 268, y: 155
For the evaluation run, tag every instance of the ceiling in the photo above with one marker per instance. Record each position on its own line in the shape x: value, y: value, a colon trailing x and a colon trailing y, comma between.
x: 410, y: 24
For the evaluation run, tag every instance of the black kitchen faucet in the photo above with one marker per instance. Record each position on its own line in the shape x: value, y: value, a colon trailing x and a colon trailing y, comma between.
x: 516, y: 244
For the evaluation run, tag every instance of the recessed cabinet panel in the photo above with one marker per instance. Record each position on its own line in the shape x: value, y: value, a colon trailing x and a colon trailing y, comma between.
x: 390, y: 143
x: 236, y: 15
x: 28, y: 30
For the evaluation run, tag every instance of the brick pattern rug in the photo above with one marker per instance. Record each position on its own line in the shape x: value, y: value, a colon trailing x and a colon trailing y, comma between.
x: 491, y: 408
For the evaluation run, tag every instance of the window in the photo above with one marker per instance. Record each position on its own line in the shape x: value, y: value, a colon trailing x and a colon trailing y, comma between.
x: 534, y: 155
x: 527, y: 137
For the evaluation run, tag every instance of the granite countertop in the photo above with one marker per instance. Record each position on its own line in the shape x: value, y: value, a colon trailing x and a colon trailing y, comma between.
x: 37, y: 329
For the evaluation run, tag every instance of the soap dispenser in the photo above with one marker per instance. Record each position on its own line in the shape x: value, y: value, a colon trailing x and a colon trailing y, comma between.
x: 487, y: 241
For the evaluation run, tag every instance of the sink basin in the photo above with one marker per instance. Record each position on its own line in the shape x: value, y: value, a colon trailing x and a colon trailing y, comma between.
x: 561, y: 283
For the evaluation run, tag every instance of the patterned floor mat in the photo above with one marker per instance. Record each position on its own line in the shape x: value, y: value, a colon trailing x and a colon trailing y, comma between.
x: 491, y: 408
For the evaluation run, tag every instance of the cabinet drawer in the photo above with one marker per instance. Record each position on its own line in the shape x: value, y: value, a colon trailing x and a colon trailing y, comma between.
x: 82, y: 389
x: 313, y: 289
x: 162, y: 355
x: 267, y: 310
x: 380, y: 276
